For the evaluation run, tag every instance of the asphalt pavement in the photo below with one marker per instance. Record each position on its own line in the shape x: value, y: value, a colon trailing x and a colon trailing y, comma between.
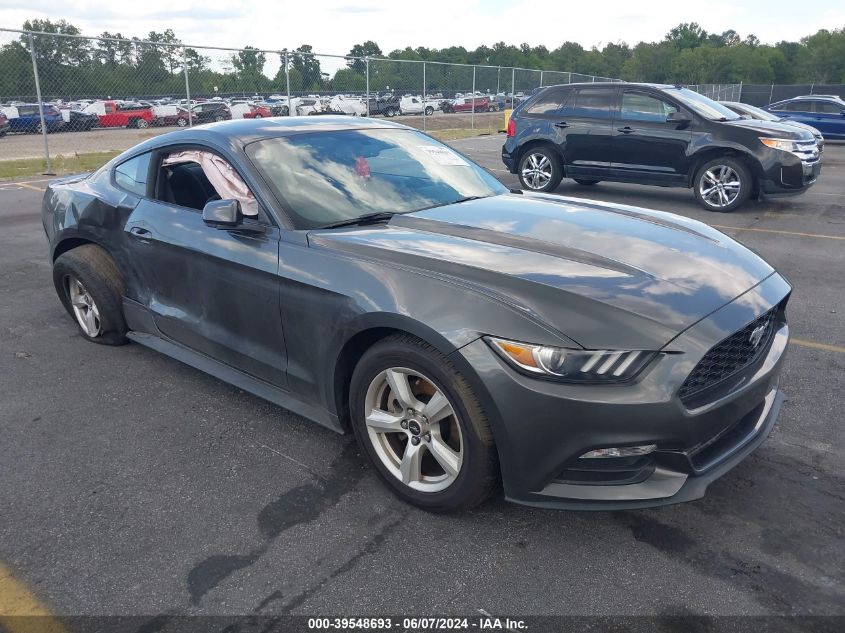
x: 133, y: 484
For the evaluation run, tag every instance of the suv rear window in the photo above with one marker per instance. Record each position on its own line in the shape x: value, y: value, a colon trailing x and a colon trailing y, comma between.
x: 593, y: 103
x: 828, y: 107
x: 548, y: 102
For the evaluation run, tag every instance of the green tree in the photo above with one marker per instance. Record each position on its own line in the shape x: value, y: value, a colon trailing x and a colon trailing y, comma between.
x: 367, y: 49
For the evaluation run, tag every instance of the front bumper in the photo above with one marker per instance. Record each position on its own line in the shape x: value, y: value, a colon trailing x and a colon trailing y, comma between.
x: 790, y: 175
x: 542, y: 428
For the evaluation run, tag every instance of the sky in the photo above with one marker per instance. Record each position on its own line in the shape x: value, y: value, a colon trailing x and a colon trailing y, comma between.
x: 333, y: 26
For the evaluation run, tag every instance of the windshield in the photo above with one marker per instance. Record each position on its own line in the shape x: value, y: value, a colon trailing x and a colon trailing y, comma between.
x: 759, y: 113
x: 327, y: 177
x: 702, y: 105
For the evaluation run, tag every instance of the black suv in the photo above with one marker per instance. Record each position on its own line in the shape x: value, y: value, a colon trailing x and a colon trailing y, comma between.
x: 211, y: 111
x: 656, y: 135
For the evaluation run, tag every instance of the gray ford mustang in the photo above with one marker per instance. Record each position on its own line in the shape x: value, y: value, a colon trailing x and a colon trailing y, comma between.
x: 361, y: 274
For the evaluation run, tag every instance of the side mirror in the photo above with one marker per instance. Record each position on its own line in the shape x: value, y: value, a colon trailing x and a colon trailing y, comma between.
x: 222, y: 214
x: 680, y: 119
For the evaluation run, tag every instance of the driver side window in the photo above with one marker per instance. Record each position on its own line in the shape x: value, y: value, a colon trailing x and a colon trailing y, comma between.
x: 193, y: 178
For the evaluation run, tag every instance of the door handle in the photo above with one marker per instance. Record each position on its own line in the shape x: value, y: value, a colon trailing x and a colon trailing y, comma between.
x: 139, y: 231
x: 561, y: 124
x: 625, y: 130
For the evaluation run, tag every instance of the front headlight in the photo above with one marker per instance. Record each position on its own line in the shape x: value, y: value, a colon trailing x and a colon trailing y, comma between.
x: 571, y: 365
x: 780, y: 143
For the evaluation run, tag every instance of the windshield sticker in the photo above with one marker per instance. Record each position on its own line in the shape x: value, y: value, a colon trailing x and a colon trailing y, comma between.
x: 443, y: 155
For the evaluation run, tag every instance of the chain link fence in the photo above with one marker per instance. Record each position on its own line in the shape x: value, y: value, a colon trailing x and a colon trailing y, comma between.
x: 66, y: 97
x: 761, y: 95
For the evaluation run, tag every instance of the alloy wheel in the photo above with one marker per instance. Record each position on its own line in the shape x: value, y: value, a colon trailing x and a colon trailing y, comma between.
x: 719, y: 186
x: 84, y: 308
x: 537, y: 171
x: 414, y: 429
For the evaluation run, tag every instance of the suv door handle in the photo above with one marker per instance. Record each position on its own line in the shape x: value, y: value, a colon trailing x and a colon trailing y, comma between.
x: 625, y: 130
x: 561, y: 124
x: 139, y: 231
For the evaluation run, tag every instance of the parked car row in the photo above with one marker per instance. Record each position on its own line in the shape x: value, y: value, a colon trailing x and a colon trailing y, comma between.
x: 668, y: 136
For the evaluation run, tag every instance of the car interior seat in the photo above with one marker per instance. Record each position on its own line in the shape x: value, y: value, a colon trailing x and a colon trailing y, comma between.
x: 188, y: 186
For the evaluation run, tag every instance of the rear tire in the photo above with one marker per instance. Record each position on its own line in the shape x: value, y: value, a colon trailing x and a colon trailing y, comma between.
x: 540, y: 169
x: 142, y: 124
x: 586, y: 182
x: 722, y: 184
x: 410, y: 456
x: 91, y: 289
x: 429, y: 111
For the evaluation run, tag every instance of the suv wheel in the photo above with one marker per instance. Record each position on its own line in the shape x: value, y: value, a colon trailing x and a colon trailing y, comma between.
x: 421, y: 426
x: 540, y: 169
x: 722, y: 184
x: 91, y: 289
x: 390, y: 112
x: 429, y: 110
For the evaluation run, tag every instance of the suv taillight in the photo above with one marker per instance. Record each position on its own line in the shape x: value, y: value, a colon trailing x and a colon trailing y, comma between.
x: 511, y: 127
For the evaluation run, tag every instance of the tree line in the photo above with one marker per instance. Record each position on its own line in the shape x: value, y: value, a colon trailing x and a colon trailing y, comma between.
x: 119, y: 66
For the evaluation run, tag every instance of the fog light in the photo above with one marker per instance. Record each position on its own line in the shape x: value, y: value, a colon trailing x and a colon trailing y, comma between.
x: 623, y: 451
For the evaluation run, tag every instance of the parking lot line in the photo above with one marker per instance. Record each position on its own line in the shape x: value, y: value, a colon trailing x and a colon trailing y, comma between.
x: 26, y: 185
x: 800, y: 342
x: 21, y: 611
x: 723, y: 227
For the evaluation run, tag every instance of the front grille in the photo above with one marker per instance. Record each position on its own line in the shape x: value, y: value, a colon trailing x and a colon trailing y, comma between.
x: 728, y: 358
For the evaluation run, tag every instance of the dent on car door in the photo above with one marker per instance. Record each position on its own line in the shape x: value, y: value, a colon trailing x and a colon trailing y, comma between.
x: 213, y: 290
x: 588, y: 115
x: 645, y: 145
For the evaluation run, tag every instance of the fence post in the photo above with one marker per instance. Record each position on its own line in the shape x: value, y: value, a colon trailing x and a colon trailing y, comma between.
x: 498, y: 73
x: 513, y: 85
x: 187, y: 87
x: 49, y: 171
x: 812, y: 85
x: 771, y: 93
x: 423, y: 98
x: 569, y: 77
x: 541, y: 78
x: 739, y: 96
x: 367, y: 69
x: 472, y: 111
x: 287, y: 82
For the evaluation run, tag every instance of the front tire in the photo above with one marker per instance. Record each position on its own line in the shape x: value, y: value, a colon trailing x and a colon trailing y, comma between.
x: 429, y: 111
x: 142, y: 124
x: 722, y: 184
x: 540, y: 169
x: 91, y: 289
x: 418, y: 421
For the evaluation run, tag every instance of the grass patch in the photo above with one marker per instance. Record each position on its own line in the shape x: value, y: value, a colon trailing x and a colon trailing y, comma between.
x: 458, y: 133
x: 62, y: 164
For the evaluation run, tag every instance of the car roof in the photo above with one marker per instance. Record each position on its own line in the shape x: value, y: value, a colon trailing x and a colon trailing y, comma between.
x: 811, y: 97
x: 241, y: 132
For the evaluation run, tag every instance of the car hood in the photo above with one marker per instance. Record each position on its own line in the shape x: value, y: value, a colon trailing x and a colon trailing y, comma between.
x: 773, y: 128
x: 802, y: 126
x: 645, y: 275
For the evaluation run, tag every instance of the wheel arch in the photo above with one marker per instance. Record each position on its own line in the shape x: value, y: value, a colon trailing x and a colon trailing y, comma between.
x: 69, y: 243
x: 369, y: 331
x: 709, y: 154
x: 539, y: 142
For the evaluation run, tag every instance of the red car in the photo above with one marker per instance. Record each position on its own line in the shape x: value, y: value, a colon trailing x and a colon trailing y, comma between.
x: 467, y: 104
x: 4, y: 124
x: 113, y: 114
x: 258, y: 112
x: 173, y: 115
